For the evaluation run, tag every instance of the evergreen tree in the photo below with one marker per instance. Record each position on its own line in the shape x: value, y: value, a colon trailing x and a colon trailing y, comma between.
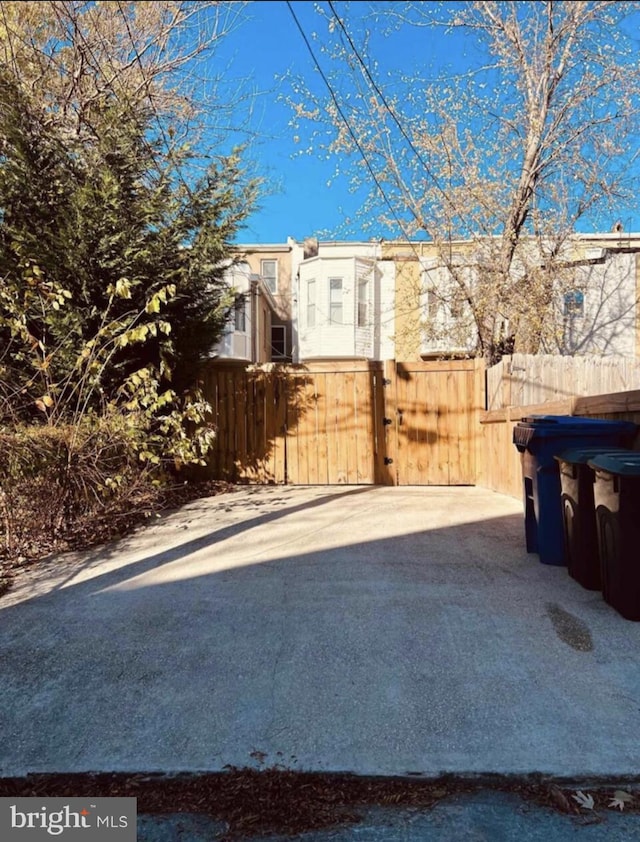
x: 103, y: 233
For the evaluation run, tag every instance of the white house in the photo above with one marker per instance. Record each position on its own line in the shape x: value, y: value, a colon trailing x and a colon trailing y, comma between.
x: 344, y: 304
x: 597, y: 313
x: 593, y: 311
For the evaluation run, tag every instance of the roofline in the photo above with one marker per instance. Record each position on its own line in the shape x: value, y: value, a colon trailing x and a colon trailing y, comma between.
x: 257, y: 248
x: 249, y: 248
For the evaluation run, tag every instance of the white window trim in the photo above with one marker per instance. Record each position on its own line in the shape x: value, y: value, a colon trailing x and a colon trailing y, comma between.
x: 311, y: 302
x: 266, y: 278
x: 341, y: 302
x: 362, y: 302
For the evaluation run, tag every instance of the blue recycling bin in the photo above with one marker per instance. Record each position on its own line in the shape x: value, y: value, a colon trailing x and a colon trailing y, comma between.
x: 539, y: 438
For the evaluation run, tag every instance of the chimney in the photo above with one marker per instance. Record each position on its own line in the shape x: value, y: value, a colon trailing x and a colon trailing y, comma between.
x: 310, y: 247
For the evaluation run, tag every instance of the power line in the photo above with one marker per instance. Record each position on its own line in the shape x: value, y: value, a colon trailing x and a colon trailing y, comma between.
x: 344, y: 119
x: 384, y: 100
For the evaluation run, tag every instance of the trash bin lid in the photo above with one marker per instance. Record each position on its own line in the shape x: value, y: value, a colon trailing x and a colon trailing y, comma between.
x: 561, y: 426
x: 623, y: 464
x: 582, y: 455
x: 553, y: 419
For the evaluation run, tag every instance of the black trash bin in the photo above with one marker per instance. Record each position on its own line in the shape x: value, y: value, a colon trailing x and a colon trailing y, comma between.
x: 579, y: 515
x: 617, y: 504
x: 539, y: 438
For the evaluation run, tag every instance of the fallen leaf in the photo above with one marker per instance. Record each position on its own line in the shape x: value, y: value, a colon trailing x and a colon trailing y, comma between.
x: 620, y: 798
x: 585, y: 801
x: 561, y: 799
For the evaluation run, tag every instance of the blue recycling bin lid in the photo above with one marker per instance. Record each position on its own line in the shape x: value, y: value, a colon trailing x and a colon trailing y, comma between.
x: 566, y: 426
x: 555, y: 419
x: 582, y: 455
x: 623, y: 464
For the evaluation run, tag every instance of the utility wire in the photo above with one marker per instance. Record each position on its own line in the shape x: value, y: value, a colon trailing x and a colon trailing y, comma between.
x: 344, y: 119
x: 384, y: 100
x: 350, y: 130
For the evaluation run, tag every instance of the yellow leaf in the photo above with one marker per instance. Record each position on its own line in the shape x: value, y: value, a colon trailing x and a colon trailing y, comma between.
x: 47, y: 400
x: 153, y: 305
x: 123, y: 288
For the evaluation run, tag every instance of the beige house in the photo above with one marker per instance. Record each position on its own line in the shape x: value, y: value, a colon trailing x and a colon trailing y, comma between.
x: 276, y: 266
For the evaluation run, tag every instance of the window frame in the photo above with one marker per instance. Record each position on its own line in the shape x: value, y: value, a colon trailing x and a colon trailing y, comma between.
x: 433, y: 303
x: 240, y: 314
x: 362, y: 302
x: 279, y: 355
x: 573, y: 303
x: 334, y: 304
x: 268, y: 278
x: 311, y: 302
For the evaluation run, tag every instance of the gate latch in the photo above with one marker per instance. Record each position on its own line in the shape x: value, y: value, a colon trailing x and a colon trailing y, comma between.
x: 387, y: 421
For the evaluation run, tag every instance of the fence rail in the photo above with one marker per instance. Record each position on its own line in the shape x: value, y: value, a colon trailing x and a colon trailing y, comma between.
x: 523, y: 379
x: 500, y: 468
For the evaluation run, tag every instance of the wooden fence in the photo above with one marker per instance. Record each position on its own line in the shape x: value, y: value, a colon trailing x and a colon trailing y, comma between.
x: 523, y: 379
x: 376, y: 423
x: 306, y: 425
x: 499, y: 465
x: 354, y: 422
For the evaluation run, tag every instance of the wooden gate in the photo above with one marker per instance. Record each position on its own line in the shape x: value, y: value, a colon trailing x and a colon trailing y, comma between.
x: 351, y: 423
x: 433, y: 408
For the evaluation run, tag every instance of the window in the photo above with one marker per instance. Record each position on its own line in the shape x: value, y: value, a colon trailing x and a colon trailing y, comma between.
x: 269, y: 272
x: 335, y: 301
x: 265, y: 322
x: 455, y: 305
x: 574, y: 304
x: 278, y: 342
x: 240, y: 314
x: 433, y: 303
x: 363, y: 302
x: 311, y: 303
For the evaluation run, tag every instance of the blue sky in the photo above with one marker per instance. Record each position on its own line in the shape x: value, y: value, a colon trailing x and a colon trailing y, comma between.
x: 264, y: 47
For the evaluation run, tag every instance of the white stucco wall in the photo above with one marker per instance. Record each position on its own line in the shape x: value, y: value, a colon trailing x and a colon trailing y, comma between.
x: 607, y: 326
x: 443, y: 333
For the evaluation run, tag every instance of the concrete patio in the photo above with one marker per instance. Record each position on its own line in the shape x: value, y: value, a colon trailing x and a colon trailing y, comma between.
x: 375, y: 630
